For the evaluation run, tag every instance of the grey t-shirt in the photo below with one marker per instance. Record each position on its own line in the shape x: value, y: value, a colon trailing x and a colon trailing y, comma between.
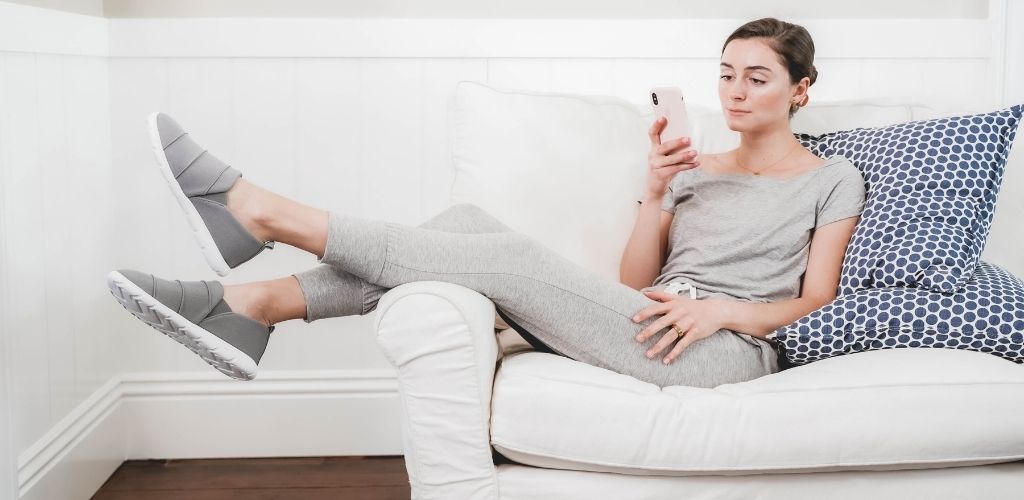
x: 748, y: 236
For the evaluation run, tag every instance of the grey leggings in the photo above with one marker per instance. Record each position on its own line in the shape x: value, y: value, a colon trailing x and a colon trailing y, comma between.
x: 555, y: 304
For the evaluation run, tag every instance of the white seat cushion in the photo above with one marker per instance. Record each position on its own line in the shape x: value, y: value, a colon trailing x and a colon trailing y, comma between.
x: 876, y: 410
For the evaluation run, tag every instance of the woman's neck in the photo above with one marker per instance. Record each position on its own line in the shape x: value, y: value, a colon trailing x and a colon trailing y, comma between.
x: 762, y: 147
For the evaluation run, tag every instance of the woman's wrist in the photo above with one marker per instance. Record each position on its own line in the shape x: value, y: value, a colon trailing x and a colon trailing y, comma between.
x: 649, y: 198
x: 722, y: 312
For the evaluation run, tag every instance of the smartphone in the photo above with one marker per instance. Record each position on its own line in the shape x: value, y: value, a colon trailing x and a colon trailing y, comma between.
x: 668, y: 103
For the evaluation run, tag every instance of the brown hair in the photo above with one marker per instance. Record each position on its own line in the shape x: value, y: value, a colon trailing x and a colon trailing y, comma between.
x: 791, y: 42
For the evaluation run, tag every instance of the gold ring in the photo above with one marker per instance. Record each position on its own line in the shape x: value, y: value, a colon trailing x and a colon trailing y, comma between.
x: 679, y: 332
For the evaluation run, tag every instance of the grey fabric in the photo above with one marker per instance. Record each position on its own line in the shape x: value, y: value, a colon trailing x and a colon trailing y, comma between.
x: 205, y: 180
x: 202, y: 302
x: 236, y: 244
x: 197, y: 171
x: 748, y: 236
x: 577, y: 313
x: 331, y: 292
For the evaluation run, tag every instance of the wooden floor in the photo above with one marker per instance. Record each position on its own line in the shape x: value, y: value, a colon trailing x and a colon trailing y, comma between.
x: 307, y: 478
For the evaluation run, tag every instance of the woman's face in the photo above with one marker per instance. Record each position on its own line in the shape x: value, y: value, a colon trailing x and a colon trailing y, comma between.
x: 752, y: 80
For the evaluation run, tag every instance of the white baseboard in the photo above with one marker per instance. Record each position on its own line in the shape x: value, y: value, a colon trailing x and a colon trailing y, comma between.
x: 205, y: 415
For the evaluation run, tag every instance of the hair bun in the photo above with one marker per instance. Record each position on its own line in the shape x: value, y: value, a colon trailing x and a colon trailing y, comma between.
x: 812, y: 74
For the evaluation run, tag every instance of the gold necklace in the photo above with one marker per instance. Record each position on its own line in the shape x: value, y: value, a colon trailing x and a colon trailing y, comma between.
x: 769, y: 166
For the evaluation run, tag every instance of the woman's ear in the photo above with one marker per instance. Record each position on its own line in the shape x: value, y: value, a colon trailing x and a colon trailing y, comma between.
x: 801, y: 98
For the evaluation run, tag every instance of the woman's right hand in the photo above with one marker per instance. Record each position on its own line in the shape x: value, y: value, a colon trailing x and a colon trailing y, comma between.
x: 665, y: 160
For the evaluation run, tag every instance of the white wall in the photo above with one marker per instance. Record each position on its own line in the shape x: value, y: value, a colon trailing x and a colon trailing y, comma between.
x: 573, y: 9
x: 344, y: 114
x: 56, y: 217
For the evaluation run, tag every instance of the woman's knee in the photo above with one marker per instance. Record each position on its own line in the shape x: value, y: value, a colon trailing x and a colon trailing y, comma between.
x: 466, y: 217
x: 476, y: 212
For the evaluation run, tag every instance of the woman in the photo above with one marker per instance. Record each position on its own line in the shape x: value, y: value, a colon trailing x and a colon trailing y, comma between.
x: 742, y: 246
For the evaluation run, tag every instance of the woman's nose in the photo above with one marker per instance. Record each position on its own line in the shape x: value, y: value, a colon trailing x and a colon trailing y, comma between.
x: 736, y: 92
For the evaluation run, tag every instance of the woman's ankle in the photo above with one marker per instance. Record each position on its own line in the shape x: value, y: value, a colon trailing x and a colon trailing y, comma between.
x: 250, y: 300
x: 246, y: 202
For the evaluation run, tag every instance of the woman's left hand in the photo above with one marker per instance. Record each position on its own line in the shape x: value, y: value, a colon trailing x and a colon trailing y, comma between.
x: 697, y: 319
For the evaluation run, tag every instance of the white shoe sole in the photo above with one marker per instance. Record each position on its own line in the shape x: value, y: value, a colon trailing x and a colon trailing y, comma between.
x: 195, y: 221
x: 223, y: 356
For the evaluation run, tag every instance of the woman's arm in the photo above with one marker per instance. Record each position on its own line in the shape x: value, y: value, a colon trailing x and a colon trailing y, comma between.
x: 821, y: 280
x: 644, y: 254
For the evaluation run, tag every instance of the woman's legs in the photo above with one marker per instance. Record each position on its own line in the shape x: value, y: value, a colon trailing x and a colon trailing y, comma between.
x: 326, y: 291
x: 580, y: 314
x: 270, y: 216
x: 323, y: 285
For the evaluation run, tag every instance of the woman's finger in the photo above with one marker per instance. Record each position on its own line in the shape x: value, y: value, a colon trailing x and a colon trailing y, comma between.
x: 680, y: 346
x: 655, y: 131
x: 683, y: 156
x: 686, y: 325
x: 672, y: 145
x: 651, y: 310
x: 676, y: 159
x: 666, y: 340
x: 665, y: 321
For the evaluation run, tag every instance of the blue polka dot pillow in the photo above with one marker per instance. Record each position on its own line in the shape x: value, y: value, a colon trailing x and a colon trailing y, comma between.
x: 931, y: 189
x: 986, y: 316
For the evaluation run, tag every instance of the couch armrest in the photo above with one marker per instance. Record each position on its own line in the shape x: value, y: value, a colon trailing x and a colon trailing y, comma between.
x: 441, y: 339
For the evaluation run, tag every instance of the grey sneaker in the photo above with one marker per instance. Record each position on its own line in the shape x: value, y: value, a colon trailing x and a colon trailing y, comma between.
x: 200, y: 183
x: 194, y: 313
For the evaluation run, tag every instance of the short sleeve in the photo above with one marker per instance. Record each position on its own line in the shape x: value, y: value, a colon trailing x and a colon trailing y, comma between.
x: 842, y: 195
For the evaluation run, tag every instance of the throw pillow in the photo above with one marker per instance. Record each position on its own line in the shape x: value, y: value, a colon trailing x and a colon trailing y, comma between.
x: 931, y: 192
x: 986, y: 316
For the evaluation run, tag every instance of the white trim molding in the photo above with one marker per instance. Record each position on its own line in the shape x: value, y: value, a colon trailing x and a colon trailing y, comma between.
x: 205, y: 415
x: 24, y: 28
x: 542, y: 38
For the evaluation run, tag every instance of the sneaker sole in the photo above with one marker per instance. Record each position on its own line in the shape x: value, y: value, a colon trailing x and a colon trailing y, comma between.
x: 195, y: 221
x: 223, y: 356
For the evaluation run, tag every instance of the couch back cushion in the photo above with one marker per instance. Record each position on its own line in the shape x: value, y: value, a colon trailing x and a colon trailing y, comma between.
x: 568, y: 169
x: 558, y: 167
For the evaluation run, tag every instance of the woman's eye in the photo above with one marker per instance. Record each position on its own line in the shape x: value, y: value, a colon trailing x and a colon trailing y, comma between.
x: 724, y: 76
x: 757, y: 81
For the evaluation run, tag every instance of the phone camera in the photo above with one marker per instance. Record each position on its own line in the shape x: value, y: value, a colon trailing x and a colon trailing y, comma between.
x: 654, y: 97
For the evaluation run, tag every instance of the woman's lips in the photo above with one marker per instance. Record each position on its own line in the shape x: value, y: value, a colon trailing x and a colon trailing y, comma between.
x: 733, y: 112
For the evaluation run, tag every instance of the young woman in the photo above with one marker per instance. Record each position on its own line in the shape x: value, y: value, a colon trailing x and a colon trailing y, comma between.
x: 758, y: 243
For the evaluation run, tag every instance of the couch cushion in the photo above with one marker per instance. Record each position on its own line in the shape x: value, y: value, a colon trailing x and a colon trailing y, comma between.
x: 877, y: 410
x: 986, y: 316
x: 562, y: 168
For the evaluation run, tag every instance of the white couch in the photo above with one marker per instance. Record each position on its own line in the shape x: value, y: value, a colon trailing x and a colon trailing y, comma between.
x: 487, y: 417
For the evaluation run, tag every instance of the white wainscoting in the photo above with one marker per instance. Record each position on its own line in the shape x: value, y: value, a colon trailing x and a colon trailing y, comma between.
x: 348, y: 115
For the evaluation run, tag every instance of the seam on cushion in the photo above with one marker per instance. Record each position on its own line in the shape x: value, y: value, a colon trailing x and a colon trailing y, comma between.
x: 876, y: 387
x: 783, y: 391
x: 549, y: 378
x: 1008, y: 458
